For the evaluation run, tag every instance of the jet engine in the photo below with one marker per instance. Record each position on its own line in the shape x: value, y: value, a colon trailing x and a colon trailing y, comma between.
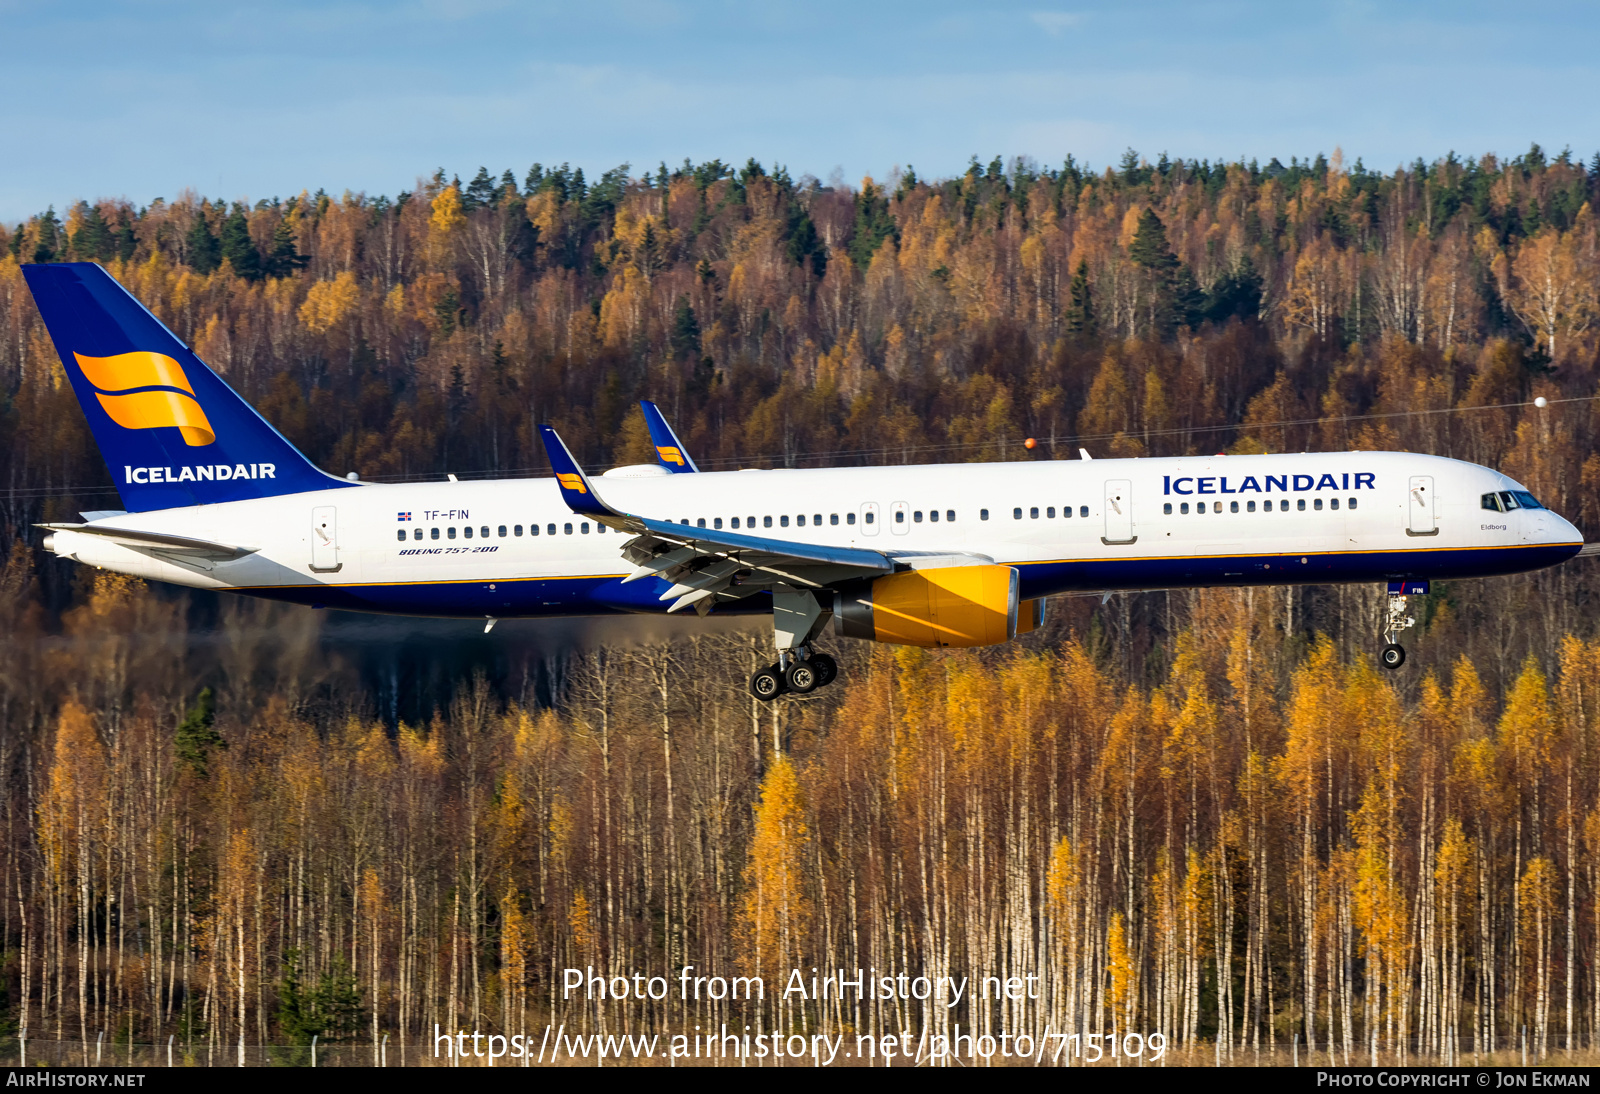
x: 948, y: 606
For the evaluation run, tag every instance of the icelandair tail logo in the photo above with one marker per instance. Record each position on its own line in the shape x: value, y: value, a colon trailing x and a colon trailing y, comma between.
x: 671, y: 455
x: 172, y: 404
x: 572, y: 482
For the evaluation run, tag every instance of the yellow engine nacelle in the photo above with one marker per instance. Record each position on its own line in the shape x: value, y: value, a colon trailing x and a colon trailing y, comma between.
x: 950, y: 606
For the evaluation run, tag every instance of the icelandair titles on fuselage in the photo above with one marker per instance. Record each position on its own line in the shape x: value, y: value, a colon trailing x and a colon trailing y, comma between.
x: 212, y: 472
x: 1218, y: 484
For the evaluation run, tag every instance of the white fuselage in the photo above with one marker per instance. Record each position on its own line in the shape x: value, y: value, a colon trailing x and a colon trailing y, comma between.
x: 470, y: 549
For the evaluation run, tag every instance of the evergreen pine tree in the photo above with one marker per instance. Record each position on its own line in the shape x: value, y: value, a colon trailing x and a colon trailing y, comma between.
x: 203, y: 251
x: 49, y: 237
x: 196, y: 735
x: 93, y: 239
x: 237, y: 246
x: 284, y: 259
x: 873, y: 225
x: 1080, y: 310
x: 479, y: 192
x: 685, y: 331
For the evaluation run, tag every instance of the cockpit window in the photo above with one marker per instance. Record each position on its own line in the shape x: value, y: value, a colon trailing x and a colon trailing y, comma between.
x: 1491, y: 502
x: 1508, y: 501
x: 1526, y: 500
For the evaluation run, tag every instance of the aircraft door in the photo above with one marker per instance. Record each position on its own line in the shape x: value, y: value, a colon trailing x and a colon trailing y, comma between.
x: 324, y: 540
x: 1419, y: 506
x: 869, y: 518
x: 899, y: 519
x: 1119, y: 512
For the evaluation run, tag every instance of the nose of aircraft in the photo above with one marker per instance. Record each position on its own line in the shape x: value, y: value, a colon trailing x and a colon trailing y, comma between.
x: 1559, y: 529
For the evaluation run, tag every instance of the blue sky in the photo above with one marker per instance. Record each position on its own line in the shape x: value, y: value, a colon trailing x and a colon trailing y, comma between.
x: 140, y: 100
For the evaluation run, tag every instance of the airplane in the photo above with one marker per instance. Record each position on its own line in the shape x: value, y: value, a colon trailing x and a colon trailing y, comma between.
x: 947, y: 555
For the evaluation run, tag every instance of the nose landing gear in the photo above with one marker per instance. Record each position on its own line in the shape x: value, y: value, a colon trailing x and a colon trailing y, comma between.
x: 1393, y: 655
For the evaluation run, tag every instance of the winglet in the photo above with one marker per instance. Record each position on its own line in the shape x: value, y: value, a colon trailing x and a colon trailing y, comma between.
x: 576, y: 489
x: 669, y: 450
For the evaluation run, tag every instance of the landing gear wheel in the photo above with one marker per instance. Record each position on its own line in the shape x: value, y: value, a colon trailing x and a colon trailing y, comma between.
x: 1392, y: 656
x: 767, y: 684
x: 802, y: 677
x: 827, y: 669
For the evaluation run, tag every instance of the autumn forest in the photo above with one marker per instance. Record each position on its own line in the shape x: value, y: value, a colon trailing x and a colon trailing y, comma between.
x: 230, y: 827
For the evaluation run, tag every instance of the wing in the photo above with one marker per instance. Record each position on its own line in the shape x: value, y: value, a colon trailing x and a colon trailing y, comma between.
x: 707, y: 566
x: 669, y: 450
x: 132, y: 537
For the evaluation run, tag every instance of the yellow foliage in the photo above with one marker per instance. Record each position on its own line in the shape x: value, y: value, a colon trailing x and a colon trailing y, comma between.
x: 776, y: 916
x: 329, y: 302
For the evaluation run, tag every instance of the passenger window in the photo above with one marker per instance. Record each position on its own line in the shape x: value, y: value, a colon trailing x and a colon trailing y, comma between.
x: 1034, y: 513
x: 933, y: 515
x: 1352, y: 503
x: 584, y: 527
x: 716, y: 522
x: 983, y: 514
x: 1050, y: 511
x: 800, y: 521
x: 569, y: 529
x: 899, y: 516
x: 1083, y: 510
x: 701, y: 523
x: 417, y: 534
x: 783, y: 522
x: 516, y: 530
x: 750, y: 522
x: 483, y: 533
x: 467, y: 531
x: 1016, y: 514
x: 816, y: 520
x: 869, y: 518
x: 735, y: 522
x: 402, y: 535
x: 1166, y: 509
x: 1233, y: 507
x: 1317, y: 505
x: 502, y: 531
x: 599, y: 529
x: 1216, y: 507
x: 551, y: 529
x: 1250, y: 507
x: 1333, y: 504
x: 1183, y: 508
x: 949, y: 515
x: 533, y: 529
x: 1300, y: 504
x: 1267, y: 505
x: 450, y: 533
x: 833, y: 518
x: 766, y: 522
x: 916, y: 517
x: 433, y: 533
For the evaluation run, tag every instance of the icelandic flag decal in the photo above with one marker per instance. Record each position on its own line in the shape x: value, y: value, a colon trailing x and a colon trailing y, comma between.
x: 405, y: 516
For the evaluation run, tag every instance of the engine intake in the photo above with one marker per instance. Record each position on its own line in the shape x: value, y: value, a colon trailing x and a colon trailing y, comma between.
x: 950, y: 606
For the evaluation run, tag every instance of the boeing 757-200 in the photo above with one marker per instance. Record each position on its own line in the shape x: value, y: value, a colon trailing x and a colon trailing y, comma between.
x: 939, y: 555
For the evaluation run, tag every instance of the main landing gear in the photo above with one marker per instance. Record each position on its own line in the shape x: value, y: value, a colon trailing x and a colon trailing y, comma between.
x: 797, y: 618
x: 1393, y: 655
x: 797, y: 672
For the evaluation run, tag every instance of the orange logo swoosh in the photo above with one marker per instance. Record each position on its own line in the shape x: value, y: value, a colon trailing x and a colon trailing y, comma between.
x: 152, y: 409
x: 129, y: 370
x: 572, y: 482
x: 671, y: 455
x: 148, y: 409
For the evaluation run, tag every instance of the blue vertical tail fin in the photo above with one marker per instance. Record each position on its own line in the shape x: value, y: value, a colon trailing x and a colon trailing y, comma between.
x: 669, y: 450
x: 172, y: 433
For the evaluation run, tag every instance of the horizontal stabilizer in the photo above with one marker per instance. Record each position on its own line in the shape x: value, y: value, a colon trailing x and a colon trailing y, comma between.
x: 132, y: 537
